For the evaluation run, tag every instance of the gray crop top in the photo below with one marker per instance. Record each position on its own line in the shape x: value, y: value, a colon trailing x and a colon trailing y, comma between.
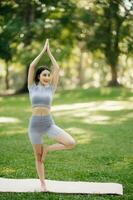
x: 41, y: 95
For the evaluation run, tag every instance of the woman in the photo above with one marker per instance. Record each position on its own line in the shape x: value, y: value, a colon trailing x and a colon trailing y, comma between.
x: 42, y: 85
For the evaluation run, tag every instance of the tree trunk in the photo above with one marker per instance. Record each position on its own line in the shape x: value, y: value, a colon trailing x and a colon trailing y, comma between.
x: 7, y: 76
x: 112, y: 51
x: 114, y: 82
x: 80, y: 69
x: 24, y: 88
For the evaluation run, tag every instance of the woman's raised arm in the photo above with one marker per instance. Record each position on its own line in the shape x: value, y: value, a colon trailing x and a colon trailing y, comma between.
x: 31, y: 71
x: 55, y: 69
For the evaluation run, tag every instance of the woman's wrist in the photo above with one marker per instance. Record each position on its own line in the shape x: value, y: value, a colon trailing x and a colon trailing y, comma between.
x: 43, y: 51
x: 49, y: 53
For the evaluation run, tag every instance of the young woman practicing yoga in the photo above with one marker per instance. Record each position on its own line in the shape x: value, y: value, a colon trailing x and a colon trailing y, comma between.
x: 42, y: 84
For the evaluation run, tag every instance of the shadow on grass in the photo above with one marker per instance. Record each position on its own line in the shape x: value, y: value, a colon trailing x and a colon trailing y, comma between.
x: 102, y: 130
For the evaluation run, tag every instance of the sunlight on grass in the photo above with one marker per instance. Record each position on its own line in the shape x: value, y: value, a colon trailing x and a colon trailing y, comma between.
x: 9, y: 120
x: 97, y: 119
x: 7, y: 170
x: 130, y: 98
x: 122, y: 164
x: 96, y: 106
x: 88, y: 112
x: 81, y: 135
x: 18, y: 132
x: 100, y: 124
x: 1, y: 98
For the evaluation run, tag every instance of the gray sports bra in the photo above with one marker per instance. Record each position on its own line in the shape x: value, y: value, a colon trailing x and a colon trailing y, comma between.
x: 41, y: 95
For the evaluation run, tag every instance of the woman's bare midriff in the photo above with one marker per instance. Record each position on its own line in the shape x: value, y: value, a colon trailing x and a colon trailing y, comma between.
x: 40, y: 111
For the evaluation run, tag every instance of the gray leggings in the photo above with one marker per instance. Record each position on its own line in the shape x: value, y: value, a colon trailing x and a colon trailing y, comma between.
x: 39, y: 125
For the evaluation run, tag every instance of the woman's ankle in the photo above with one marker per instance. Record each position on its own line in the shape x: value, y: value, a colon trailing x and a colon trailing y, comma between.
x: 42, y: 182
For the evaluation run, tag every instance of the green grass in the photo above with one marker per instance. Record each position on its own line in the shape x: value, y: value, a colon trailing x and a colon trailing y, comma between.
x: 100, y: 120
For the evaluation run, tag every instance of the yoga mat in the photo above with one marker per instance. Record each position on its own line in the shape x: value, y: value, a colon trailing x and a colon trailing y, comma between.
x: 79, y: 187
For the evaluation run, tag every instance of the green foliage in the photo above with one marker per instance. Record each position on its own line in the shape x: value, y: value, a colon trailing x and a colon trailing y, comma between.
x: 103, y: 26
x: 112, y: 29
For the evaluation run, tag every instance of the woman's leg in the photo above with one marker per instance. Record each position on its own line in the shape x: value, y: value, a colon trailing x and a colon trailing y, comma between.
x: 65, y: 140
x: 38, y: 152
x: 35, y: 132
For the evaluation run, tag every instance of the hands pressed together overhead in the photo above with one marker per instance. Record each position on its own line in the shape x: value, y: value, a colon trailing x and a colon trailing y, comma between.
x: 46, y: 46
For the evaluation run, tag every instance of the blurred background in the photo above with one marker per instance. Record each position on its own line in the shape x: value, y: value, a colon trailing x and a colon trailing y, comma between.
x: 92, y: 41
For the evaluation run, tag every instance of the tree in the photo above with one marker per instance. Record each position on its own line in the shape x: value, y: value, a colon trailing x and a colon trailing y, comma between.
x: 109, y: 23
x: 7, y: 35
x: 36, y: 21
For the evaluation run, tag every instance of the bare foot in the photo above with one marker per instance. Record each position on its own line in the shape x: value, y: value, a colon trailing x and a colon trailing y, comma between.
x: 43, y: 187
x: 45, y: 151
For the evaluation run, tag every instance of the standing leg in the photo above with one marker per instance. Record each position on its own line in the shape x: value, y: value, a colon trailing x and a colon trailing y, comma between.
x: 38, y: 152
x: 35, y: 132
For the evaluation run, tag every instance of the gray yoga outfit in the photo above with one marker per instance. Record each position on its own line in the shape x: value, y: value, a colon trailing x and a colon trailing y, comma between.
x: 40, y: 124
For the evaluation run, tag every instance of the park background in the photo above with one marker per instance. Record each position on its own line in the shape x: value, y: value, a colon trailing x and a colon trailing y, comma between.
x: 92, y: 42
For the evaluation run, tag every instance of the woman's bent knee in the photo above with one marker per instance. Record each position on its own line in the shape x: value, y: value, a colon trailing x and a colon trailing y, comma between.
x: 71, y: 144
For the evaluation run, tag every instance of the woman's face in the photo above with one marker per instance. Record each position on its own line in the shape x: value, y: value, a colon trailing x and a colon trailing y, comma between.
x: 45, y: 77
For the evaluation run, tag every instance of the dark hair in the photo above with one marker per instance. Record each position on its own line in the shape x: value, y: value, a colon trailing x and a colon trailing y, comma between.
x: 39, y: 71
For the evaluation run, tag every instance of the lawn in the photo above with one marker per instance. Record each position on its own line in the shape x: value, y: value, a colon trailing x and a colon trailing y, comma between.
x: 100, y: 120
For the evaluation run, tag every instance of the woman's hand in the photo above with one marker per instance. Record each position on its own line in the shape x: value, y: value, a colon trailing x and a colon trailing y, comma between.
x: 45, y: 46
x: 48, y: 48
x: 55, y: 64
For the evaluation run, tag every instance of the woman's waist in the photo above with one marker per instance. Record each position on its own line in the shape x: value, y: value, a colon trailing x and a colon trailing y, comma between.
x: 38, y: 110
